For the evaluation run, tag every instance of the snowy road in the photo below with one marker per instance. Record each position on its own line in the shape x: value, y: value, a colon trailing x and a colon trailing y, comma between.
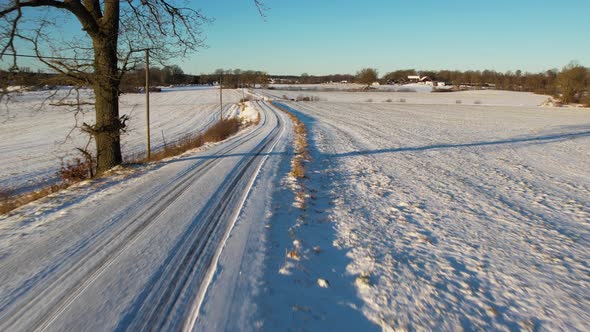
x: 136, y: 254
x: 448, y: 217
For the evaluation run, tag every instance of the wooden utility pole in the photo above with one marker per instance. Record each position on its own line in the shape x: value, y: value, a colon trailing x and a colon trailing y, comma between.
x: 221, y: 97
x: 147, y: 101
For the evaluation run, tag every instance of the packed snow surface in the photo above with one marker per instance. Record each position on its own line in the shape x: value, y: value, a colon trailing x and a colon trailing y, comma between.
x: 36, y: 135
x: 443, y: 217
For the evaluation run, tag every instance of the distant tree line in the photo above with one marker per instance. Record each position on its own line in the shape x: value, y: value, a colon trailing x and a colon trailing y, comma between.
x: 159, y: 76
x: 543, y: 83
x: 571, y: 84
x: 236, y: 78
x: 312, y: 79
x: 25, y: 77
x: 133, y: 80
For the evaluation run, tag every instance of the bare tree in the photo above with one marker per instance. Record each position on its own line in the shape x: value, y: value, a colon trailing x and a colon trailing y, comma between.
x: 572, y: 82
x: 367, y: 76
x: 112, y: 31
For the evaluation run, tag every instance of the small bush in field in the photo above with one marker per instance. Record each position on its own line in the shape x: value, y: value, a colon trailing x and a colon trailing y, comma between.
x: 306, y: 98
x: 75, y: 170
x: 402, y: 100
x: 245, y: 99
x: 388, y: 100
x: 477, y: 102
x: 222, y: 130
x: 218, y: 132
x: 369, y: 100
x: 458, y: 102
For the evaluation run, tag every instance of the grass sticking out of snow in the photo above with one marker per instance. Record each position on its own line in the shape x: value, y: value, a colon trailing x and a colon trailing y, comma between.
x: 216, y: 133
x: 301, y: 145
x: 10, y: 202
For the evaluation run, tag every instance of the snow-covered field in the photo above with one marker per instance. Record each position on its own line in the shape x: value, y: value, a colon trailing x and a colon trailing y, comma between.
x: 349, y: 87
x: 475, y: 97
x: 35, y: 136
x: 437, y: 217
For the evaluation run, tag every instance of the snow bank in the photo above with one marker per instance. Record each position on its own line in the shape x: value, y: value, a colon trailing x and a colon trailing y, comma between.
x: 249, y: 113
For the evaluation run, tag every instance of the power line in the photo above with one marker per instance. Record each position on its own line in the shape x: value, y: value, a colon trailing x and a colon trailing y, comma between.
x: 52, y: 57
x: 44, y: 57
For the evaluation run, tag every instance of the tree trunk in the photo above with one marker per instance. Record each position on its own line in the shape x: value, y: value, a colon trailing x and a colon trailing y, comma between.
x: 107, y: 130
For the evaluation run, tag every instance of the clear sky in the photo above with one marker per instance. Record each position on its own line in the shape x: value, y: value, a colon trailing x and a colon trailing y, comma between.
x: 342, y: 36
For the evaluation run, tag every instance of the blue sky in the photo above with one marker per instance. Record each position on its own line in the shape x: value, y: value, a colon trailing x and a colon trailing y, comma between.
x: 342, y: 36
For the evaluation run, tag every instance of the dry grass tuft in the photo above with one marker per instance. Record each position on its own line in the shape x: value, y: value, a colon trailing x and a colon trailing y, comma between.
x: 307, y: 98
x: 294, y: 254
x: 297, y: 170
x: 76, y: 170
x: 301, y: 155
x: 301, y: 146
x: 10, y: 202
x: 71, y: 172
x: 218, y: 132
x: 222, y: 130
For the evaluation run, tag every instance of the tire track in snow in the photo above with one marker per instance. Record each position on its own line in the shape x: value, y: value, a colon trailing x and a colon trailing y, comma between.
x: 166, y: 303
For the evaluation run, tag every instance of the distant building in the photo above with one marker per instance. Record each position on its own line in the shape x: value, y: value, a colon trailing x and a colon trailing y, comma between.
x: 421, y: 80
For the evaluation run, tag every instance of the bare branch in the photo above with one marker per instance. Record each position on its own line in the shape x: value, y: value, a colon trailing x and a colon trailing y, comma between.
x: 77, y: 76
x: 261, y: 7
x: 89, y: 23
